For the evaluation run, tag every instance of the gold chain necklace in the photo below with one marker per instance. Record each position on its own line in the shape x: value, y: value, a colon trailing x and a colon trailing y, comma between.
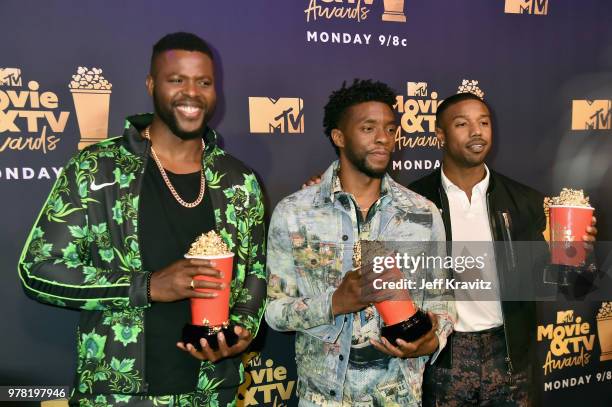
x: 193, y: 204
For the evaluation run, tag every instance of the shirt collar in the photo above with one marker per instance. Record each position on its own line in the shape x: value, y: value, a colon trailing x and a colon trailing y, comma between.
x: 331, y: 187
x: 481, y: 187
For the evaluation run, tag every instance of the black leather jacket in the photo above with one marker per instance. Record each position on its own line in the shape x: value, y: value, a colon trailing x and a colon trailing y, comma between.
x: 516, y: 214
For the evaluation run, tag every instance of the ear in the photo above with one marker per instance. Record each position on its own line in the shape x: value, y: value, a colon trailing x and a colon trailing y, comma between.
x: 338, y: 138
x: 440, y: 136
x: 150, y: 85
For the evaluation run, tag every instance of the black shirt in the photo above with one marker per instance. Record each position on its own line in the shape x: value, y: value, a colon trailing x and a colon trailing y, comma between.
x: 167, y: 230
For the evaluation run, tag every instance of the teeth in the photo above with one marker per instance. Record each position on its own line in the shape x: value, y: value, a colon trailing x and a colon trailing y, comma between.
x: 189, y: 109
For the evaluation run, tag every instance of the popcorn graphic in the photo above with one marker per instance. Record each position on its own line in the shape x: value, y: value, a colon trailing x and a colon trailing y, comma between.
x: 470, y: 86
x: 91, y: 96
x: 604, y: 329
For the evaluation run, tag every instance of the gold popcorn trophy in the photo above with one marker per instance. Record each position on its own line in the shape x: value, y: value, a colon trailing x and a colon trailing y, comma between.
x: 209, y: 316
x: 569, y: 215
x: 394, y: 11
x: 402, y: 318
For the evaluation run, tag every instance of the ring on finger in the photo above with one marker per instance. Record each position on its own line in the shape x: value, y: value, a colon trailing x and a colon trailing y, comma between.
x: 192, y: 285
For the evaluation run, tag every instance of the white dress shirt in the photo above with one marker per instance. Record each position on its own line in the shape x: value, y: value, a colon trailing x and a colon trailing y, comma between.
x: 470, y: 223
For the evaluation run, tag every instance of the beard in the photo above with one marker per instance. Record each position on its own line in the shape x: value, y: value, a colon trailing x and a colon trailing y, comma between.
x: 361, y: 163
x: 169, y: 119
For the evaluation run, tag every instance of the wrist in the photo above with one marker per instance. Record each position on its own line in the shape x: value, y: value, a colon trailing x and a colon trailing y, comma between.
x: 149, y: 298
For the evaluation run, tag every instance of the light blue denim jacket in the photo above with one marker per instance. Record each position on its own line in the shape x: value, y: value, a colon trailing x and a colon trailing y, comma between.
x: 310, y: 248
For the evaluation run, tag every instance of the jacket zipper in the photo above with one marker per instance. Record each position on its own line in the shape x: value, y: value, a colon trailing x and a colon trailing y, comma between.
x: 493, y: 230
x: 145, y: 385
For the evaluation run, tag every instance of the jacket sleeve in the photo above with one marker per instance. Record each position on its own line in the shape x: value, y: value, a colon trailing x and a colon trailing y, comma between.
x: 287, y: 309
x: 250, y: 299
x: 440, y: 301
x: 55, y: 265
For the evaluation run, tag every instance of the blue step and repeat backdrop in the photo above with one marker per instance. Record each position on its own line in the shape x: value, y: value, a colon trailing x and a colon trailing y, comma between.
x: 70, y: 71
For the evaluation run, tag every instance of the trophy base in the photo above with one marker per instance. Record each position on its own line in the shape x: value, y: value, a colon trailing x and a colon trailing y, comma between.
x: 409, y: 330
x: 564, y: 275
x: 193, y: 333
x: 396, y: 17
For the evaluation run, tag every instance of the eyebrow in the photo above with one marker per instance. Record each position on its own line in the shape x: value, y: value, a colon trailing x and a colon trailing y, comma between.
x: 465, y: 117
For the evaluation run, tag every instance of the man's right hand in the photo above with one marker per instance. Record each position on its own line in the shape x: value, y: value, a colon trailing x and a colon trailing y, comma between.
x: 348, y: 297
x: 174, y: 282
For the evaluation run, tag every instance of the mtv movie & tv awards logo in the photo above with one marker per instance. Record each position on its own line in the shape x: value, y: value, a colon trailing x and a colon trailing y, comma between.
x: 32, y: 119
x: 417, y: 110
x: 536, y: 7
x: 591, y: 114
x: 358, y: 11
x: 281, y: 115
x: 571, y: 343
x: 265, y: 383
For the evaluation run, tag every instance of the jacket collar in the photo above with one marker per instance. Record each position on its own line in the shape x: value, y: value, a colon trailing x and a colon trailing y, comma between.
x: 329, y: 186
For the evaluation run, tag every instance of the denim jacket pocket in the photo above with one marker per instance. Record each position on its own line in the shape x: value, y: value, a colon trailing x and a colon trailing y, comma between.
x: 318, y: 265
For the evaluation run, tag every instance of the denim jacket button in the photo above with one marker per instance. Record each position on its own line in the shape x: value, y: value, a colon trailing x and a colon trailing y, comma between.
x: 341, y: 357
x: 344, y: 238
x: 332, y: 393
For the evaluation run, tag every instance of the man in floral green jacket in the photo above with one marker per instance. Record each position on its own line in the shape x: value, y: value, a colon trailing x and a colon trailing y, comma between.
x: 111, y: 236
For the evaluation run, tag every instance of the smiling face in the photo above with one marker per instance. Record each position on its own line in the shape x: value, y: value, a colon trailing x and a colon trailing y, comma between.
x: 465, y: 130
x: 183, y: 89
x: 366, y: 136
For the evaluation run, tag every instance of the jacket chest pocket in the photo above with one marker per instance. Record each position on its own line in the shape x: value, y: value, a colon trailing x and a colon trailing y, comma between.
x: 318, y: 264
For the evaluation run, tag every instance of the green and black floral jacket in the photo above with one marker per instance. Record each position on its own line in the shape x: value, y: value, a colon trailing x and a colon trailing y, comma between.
x: 83, y: 252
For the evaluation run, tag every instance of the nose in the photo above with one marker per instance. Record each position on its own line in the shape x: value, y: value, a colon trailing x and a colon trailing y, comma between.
x: 383, y: 137
x: 190, y: 88
x: 475, y: 130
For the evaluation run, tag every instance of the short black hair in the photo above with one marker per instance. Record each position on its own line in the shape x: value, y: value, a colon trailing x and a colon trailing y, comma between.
x: 180, y: 40
x: 453, y: 100
x: 359, y: 92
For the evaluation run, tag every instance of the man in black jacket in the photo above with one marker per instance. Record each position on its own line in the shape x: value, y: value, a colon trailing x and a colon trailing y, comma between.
x: 489, y: 353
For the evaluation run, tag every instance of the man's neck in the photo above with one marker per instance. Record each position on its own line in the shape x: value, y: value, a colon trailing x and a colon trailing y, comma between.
x: 176, y: 154
x: 465, y: 178
x: 364, y: 188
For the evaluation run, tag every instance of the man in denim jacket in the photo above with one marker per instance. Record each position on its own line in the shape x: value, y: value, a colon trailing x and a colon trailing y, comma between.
x: 313, y: 289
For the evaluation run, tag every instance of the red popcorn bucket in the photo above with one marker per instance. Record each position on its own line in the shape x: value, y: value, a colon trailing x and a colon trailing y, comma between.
x: 403, y: 320
x: 393, y: 312
x: 210, y: 316
x: 568, y: 224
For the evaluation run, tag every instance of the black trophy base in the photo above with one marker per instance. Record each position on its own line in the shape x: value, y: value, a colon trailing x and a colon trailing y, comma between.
x: 409, y: 330
x: 193, y: 333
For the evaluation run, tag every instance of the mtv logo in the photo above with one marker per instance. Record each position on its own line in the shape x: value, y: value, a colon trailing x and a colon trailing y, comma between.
x: 417, y: 89
x: 538, y: 7
x: 283, y: 115
x: 255, y: 360
x: 10, y: 77
x: 565, y: 317
x: 591, y: 114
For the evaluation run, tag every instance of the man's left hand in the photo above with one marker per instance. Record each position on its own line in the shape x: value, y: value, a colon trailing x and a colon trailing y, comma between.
x: 224, y: 351
x: 425, y: 345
